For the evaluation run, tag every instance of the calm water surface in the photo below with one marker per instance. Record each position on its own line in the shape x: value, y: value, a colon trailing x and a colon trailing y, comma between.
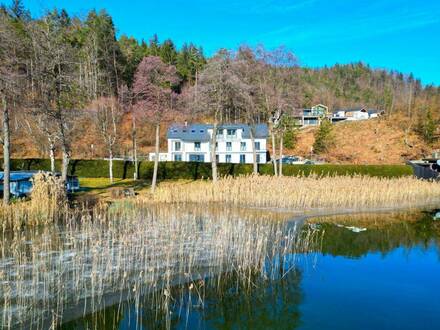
x: 382, y: 273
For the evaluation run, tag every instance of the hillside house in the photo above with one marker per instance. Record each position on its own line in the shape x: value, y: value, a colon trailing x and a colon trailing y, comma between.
x: 312, y: 116
x: 191, y: 143
x: 355, y: 114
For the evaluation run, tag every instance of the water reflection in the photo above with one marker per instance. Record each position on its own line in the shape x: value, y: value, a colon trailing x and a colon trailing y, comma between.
x: 385, y: 277
x: 57, y: 273
x: 384, y: 233
x: 269, y: 304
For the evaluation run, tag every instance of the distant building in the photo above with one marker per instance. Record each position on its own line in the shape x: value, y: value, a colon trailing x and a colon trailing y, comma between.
x: 163, y: 156
x: 312, y: 116
x: 355, y: 114
x: 191, y: 143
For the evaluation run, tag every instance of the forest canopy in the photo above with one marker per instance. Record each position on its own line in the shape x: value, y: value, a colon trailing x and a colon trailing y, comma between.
x: 57, y: 67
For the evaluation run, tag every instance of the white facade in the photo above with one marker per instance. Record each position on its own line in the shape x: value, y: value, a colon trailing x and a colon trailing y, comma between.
x: 357, y: 115
x: 351, y: 115
x: 233, y: 146
x: 163, y: 156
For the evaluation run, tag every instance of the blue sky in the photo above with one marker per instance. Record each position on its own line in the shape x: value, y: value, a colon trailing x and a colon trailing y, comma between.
x: 394, y: 34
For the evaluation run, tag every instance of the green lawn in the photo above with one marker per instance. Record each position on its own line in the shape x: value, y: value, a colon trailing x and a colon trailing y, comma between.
x: 100, y: 187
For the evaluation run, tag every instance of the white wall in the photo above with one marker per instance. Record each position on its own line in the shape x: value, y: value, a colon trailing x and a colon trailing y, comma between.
x: 163, y: 156
x: 187, y: 148
x: 357, y: 115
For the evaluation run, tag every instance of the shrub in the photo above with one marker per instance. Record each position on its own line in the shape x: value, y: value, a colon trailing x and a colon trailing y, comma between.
x: 323, y: 137
x: 194, y: 171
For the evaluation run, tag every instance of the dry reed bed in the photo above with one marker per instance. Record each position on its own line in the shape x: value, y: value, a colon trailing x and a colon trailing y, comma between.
x: 302, y: 193
x: 46, y: 271
x: 48, y: 204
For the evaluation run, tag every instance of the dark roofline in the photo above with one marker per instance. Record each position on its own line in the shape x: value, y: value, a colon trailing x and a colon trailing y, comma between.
x: 198, y: 132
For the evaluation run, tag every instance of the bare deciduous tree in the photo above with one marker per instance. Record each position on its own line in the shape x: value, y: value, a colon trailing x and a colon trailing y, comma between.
x: 219, y: 92
x: 56, y: 93
x: 12, y: 81
x: 107, y: 114
x: 278, y: 95
x: 152, y: 88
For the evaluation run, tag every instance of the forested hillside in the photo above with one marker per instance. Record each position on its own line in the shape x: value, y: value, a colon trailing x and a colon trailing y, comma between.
x: 72, y: 88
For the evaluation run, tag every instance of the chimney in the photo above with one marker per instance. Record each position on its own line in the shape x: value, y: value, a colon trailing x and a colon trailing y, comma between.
x: 186, y: 123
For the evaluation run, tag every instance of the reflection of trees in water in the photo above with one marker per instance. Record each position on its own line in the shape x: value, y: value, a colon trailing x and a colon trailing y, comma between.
x: 221, y: 303
x: 263, y: 305
x: 340, y: 241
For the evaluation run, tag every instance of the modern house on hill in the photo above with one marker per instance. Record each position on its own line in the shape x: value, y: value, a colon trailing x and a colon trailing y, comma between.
x: 312, y: 116
x: 191, y: 143
x: 356, y: 114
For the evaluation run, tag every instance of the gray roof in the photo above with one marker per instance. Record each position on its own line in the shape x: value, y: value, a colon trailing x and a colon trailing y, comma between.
x: 199, y: 132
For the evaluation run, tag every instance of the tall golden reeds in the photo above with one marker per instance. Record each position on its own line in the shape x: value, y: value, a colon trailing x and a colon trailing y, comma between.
x: 303, y: 193
x: 51, y: 273
x: 48, y: 203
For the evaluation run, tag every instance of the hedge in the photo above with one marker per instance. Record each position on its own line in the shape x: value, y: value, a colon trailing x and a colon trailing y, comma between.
x: 185, y: 170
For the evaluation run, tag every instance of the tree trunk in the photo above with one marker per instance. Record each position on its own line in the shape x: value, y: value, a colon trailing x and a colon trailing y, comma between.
x: 280, y: 172
x: 110, y: 164
x: 409, y: 100
x: 52, y: 155
x: 65, y: 164
x: 213, y: 157
x: 6, y: 154
x: 135, y: 160
x: 274, y: 151
x: 156, y: 160
x: 254, y: 152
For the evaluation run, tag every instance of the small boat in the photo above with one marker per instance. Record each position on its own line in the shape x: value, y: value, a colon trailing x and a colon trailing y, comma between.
x: 427, y: 168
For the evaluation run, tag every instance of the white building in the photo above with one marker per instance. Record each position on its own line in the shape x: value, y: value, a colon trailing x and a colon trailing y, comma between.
x: 355, y: 114
x: 191, y: 143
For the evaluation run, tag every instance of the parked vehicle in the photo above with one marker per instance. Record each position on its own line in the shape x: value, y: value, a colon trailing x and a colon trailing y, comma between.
x: 428, y: 168
x: 295, y: 160
x: 21, y: 183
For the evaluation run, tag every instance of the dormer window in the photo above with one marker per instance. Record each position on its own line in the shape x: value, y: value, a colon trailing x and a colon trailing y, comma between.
x: 193, y: 131
x: 202, y: 131
x: 231, y: 132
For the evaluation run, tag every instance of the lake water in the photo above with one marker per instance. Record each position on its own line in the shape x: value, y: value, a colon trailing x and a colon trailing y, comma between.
x: 383, y: 274
x: 188, y: 268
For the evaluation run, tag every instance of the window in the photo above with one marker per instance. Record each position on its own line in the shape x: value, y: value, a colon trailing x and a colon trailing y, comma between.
x: 231, y: 132
x: 196, y: 158
x: 177, y: 157
x: 193, y: 131
x: 197, y: 146
x: 257, y: 145
x: 220, y: 132
x: 217, y: 158
x: 258, y: 158
x: 216, y: 146
x: 177, y: 146
x: 228, y: 146
x: 242, y: 146
x: 202, y: 131
x: 228, y: 158
x: 242, y: 159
